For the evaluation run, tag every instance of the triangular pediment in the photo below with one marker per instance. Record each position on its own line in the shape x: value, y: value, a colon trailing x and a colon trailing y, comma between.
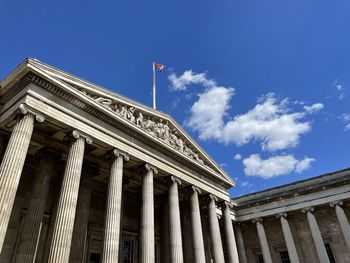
x: 155, y: 124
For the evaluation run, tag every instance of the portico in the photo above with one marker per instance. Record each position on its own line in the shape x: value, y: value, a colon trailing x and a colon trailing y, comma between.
x: 106, y: 168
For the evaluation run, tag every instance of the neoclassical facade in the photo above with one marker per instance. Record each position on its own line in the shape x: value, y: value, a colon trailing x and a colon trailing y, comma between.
x: 306, y: 222
x: 87, y: 175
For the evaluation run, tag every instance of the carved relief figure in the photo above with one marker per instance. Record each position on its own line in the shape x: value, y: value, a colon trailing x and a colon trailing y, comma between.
x: 166, y: 133
x: 130, y: 114
x: 123, y: 112
x: 159, y: 129
x: 105, y: 102
x: 139, y: 120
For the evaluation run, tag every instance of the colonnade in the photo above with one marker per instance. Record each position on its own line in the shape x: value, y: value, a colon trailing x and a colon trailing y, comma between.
x: 288, y: 237
x: 65, y: 225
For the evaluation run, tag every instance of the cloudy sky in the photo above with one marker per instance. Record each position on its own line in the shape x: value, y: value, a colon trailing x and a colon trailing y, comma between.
x: 263, y: 86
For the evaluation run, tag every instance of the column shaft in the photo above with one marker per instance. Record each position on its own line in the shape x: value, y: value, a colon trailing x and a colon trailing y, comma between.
x: 232, y: 253
x: 11, y: 169
x: 113, y: 212
x: 292, y: 251
x: 240, y: 245
x: 147, y: 239
x: 344, y: 224
x: 263, y: 242
x: 176, y: 252
x: 316, y: 236
x: 216, y: 241
x: 197, y: 234
x: 79, y: 240
x: 36, y: 209
x: 63, y: 229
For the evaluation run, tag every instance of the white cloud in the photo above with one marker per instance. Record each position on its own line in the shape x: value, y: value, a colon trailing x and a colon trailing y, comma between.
x: 345, y: 117
x: 314, y: 107
x: 208, y: 111
x: 237, y: 157
x: 339, y: 87
x: 270, y: 122
x: 188, y: 78
x: 246, y: 184
x: 274, y: 166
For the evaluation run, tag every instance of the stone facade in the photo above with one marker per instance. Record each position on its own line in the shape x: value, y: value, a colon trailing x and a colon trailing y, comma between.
x: 87, y: 175
x: 307, y: 220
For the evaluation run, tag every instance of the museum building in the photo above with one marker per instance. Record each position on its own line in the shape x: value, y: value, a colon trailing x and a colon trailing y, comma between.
x: 88, y: 175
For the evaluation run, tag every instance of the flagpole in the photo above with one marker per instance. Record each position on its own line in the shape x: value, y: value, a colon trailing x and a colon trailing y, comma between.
x: 154, y: 86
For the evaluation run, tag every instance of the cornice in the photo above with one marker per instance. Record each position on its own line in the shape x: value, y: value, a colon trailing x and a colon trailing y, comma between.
x: 117, y: 121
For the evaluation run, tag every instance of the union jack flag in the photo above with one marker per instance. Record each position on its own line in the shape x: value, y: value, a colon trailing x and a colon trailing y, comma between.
x: 159, y: 67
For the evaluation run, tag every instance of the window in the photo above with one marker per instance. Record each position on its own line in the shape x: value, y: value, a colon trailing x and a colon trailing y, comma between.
x: 128, y: 248
x: 259, y: 258
x: 329, y: 253
x: 284, y: 256
x: 95, y: 258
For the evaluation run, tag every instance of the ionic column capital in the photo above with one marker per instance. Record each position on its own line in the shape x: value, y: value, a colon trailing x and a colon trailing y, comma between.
x: 116, y: 153
x: 257, y: 220
x: 210, y: 197
x: 75, y: 135
x: 78, y: 134
x: 226, y: 204
x: 150, y: 167
x: 171, y: 179
x: 193, y: 189
x: 279, y: 215
x: 308, y: 209
x: 24, y: 110
x: 336, y: 203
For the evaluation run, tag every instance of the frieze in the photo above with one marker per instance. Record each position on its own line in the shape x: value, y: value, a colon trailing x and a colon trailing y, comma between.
x: 155, y: 127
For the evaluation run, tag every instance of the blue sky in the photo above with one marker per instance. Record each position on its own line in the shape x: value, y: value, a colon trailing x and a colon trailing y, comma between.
x: 263, y: 86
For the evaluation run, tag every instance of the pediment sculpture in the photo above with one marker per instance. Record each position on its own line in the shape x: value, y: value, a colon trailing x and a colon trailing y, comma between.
x: 157, y: 128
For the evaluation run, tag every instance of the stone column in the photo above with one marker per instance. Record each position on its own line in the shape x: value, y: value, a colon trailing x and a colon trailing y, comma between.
x: 176, y: 252
x: 316, y: 235
x: 63, y: 228
x: 13, y: 162
x: 197, y: 233
x: 240, y: 244
x: 79, y: 239
x: 263, y: 240
x: 216, y: 242
x: 232, y: 253
x: 36, y: 208
x: 147, y: 238
x: 343, y: 221
x: 287, y: 233
x: 113, y: 209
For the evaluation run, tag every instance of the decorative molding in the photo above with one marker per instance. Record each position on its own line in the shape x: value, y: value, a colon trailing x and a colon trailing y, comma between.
x: 151, y: 168
x: 77, y: 135
x: 153, y: 125
x: 279, y: 215
x: 257, y: 220
x: 172, y: 179
x: 226, y: 204
x: 193, y: 189
x: 308, y: 209
x: 335, y: 203
x: 208, y: 198
x: 167, y: 134
x: 24, y: 109
x: 117, y: 153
